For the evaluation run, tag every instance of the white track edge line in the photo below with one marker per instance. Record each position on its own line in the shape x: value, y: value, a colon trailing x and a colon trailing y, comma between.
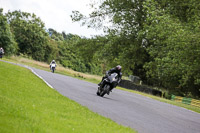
x: 39, y: 76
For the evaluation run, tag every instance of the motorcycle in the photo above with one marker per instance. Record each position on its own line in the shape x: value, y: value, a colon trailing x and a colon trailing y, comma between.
x: 53, y: 67
x: 108, y: 84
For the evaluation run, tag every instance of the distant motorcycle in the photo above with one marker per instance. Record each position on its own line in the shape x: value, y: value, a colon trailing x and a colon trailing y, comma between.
x: 108, y: 84
x: 53, y: 67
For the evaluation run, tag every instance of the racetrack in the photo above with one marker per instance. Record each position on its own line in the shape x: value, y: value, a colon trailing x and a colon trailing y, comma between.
x: 144, y: 114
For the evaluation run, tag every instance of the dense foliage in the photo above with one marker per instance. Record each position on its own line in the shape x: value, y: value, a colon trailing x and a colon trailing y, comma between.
x: 6, y: 37
x: 158, y: 41
x: 173, y: 34
x: 29, y: 34
x: 24, y: 34
x: 68, y: 56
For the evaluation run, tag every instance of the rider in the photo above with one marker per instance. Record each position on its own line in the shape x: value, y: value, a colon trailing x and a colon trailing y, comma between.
x: 1, y: 52
x: 52, y: 62
x: 116, y: 69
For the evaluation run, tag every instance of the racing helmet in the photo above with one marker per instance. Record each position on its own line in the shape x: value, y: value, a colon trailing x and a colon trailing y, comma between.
x: 119, y: 67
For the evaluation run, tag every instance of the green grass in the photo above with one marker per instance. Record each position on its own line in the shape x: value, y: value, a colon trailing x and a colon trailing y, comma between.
x: 27, y: 104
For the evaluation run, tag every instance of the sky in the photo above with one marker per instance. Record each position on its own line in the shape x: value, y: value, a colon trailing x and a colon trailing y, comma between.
x: 55, y: 13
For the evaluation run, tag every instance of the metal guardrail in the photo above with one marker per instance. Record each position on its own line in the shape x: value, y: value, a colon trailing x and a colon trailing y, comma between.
x: 186, y: 100
x: 195, y: 103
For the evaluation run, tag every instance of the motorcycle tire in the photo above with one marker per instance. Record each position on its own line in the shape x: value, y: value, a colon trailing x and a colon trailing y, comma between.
x: 98, y: 94
x: 105, y: 90
x: 102, y: 93
x: 53, y: 70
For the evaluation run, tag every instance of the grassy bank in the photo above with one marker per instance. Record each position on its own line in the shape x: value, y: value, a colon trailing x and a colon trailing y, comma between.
x: 27, y: 104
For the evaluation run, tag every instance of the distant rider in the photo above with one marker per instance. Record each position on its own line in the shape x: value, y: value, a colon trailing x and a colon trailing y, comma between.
x: 52, y: 63
x: 1, y: 52
x: 116, y: 69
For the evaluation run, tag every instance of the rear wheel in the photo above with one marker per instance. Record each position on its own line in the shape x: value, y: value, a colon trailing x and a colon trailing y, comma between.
x: 53, y: 69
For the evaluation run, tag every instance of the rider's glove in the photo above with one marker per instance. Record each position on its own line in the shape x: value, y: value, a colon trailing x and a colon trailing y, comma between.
x: 107, y: 74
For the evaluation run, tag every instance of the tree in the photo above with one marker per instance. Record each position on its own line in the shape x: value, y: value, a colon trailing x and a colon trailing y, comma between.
x: 56, y: 35
x: 125, y: 45
x: 51, y: 51
x: 173, y: 44
x: 156, y: 40
x: 29, y: 34
x: 6, y: 37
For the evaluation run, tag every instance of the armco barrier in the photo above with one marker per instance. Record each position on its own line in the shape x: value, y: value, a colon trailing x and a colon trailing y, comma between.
x: 186, y: 100
x: 195, y: 103
x: 130, y: 85
x: 178, y: 99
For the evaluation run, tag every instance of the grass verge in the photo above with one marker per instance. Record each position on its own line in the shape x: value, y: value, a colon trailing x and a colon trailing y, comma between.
x: 27, y: 104
x: 189, y: 107
x: 59, y: 68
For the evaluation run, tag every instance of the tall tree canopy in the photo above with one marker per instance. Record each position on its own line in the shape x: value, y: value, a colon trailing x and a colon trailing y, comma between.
x: 29, y: 33
x: 125, y: 19
x: 7, y: 41
x: 173, y: 35
x: 156, y: 40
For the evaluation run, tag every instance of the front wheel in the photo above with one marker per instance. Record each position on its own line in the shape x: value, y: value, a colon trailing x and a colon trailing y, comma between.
x: 98, y: 94
x: 98, y: 91
x: 105, y: 90
x: 102, y: 93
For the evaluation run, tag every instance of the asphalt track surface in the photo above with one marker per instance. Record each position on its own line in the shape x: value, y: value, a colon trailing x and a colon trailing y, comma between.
x: 144, y: 114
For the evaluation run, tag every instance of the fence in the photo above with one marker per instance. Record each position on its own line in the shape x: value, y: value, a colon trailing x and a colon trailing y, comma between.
x: 186, y: 100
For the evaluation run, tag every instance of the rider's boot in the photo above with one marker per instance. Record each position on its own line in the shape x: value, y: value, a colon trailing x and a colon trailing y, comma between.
x: 109, y: 91
x: 100, y: 83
